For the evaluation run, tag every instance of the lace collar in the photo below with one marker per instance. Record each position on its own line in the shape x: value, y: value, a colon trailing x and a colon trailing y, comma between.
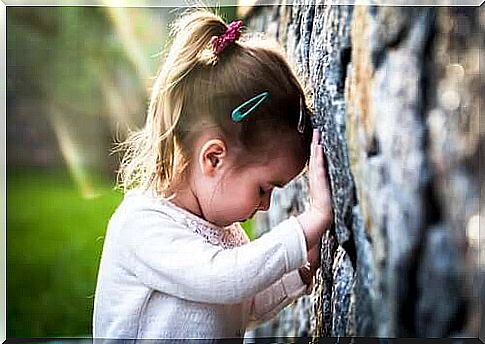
x: 225, y: 237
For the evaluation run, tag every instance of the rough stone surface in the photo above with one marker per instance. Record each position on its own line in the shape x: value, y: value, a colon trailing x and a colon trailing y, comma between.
x: 396, y: 94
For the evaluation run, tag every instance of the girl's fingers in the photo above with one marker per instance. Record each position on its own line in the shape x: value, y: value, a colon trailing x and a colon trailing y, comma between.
x: 315, y: 146
x: 318, y: 151
x: 316, y: 137
x: 320, y: 197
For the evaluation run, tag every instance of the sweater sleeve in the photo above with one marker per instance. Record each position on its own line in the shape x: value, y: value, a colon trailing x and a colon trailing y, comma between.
x: 170, y: 258
x: 268, y: 303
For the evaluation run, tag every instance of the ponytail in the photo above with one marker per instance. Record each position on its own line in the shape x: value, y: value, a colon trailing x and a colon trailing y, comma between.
x: 153, y: 157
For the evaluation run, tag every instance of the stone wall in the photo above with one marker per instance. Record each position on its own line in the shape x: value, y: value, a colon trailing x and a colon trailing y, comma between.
x: 396, y: 94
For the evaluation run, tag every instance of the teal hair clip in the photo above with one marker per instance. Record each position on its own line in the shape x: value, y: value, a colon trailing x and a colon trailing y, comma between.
x: 237, y: 114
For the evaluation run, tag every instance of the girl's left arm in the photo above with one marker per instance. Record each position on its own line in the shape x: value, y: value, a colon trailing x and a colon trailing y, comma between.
x: 269, y: 302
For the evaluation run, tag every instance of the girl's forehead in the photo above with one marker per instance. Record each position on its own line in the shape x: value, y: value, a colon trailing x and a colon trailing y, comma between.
x: 279, y: 170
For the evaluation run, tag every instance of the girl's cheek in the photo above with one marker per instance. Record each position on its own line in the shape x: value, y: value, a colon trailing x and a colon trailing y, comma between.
x: 251, y: 201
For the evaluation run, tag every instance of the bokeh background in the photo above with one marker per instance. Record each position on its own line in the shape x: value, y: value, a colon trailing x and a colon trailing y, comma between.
x: 77, y: 79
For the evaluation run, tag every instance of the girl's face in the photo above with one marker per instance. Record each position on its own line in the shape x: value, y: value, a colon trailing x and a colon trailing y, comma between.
x: 239, y: 193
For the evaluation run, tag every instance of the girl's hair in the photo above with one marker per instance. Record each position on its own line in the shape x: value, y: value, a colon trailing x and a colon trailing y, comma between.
x: 195, y: 89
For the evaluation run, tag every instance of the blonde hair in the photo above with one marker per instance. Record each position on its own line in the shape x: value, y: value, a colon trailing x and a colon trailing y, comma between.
x: 195, y: 89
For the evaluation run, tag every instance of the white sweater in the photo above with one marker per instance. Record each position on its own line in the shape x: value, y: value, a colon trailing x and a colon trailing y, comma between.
x: 166, y: 273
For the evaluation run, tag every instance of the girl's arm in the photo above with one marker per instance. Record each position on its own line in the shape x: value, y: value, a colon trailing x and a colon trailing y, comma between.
x: 268, y: 303
x: 169, y: 257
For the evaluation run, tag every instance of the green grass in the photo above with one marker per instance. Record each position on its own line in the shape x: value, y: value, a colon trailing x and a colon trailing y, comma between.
x: 54, y: 241
x: 248, y: 227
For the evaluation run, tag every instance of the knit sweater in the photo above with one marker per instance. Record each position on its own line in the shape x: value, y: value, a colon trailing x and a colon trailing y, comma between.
x: 166, y: 273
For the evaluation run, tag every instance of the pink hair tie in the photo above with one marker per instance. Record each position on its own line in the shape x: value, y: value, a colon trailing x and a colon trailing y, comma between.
x: 233, y: 31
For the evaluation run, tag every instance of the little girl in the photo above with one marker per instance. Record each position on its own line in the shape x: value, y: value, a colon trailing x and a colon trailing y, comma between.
x: 226, y: 124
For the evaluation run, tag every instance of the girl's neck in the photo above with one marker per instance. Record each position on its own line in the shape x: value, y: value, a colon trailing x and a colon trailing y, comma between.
x: 186, y: 199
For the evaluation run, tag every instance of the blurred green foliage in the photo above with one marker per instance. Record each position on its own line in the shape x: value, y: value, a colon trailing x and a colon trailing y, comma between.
x: 54, y: 241
x: 60, y: 55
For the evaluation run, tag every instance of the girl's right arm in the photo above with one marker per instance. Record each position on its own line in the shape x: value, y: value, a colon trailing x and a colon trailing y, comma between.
x: 169, y: 257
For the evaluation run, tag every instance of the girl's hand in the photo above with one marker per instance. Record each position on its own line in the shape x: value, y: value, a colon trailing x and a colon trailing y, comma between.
x: 308, y: 271
x: 320, y: 201
x: 318, y: 217
x: 314, y: 258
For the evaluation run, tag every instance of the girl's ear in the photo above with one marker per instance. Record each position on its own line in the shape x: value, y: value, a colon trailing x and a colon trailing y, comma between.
x: 212, y: 156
